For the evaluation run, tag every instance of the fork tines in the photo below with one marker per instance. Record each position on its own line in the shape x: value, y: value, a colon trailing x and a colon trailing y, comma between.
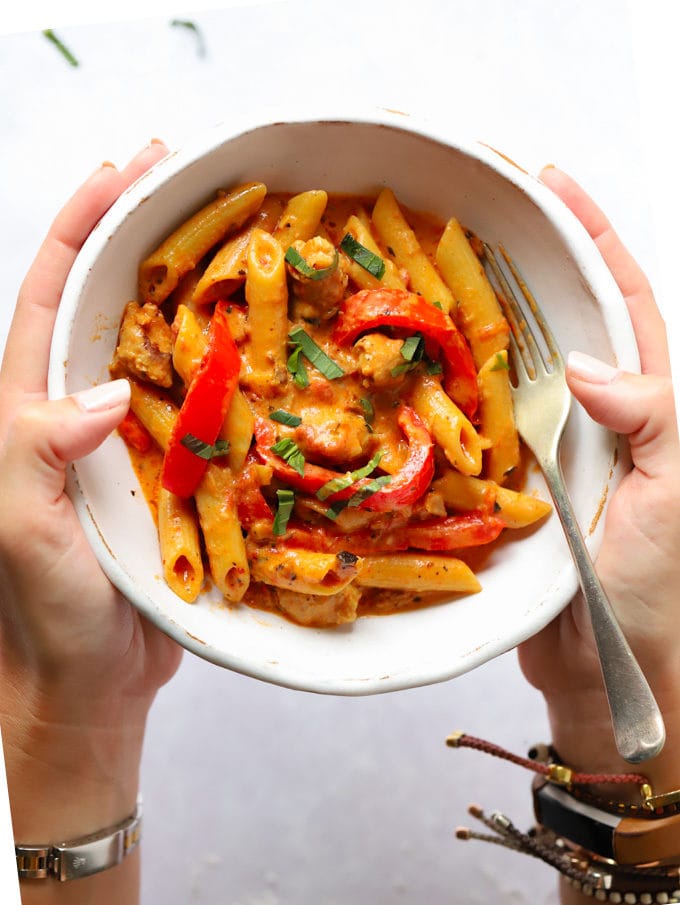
x: 510, y: 286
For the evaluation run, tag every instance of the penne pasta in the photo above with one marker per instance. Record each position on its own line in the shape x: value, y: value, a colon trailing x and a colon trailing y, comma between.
x: 304, y: 571
x: 181, y: 252
x: 497, y: 422
x: 267, y: 296
x: 461, y: 443
x: 180, y: 545
x: 415, y: 572
x: 398, y: 237
x: 300, y: 218
x: 224, y: 544
x: 479, y: 314
x: 464, y: 493
x: 227, y: 270
x: 308, y: 429
x: 154, y: 409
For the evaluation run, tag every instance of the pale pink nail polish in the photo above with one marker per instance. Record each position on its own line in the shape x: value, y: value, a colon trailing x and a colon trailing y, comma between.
x: 103, y: 397
x: 590, y: 369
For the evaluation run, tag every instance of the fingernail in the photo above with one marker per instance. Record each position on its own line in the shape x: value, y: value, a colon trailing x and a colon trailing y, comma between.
x: 157, y: 141
x: 108, y: 163
x: 590, y: 369
x: 103, y: 397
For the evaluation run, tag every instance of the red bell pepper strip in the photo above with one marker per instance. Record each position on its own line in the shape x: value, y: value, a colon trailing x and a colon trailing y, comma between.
x: 204, y: 407
x: 134, y: 433
x: 250, y: 501
x: 414, y: 477
x: 404, y: 488
x: 452, y: 532
x: 371, y: 308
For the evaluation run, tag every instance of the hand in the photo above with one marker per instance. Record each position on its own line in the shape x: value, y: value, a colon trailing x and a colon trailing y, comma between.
x: 639, y: 561
x: 80, y: 666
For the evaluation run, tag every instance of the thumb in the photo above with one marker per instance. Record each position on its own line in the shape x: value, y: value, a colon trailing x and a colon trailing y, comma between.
x: 45, y: 436
x: 639, y: 406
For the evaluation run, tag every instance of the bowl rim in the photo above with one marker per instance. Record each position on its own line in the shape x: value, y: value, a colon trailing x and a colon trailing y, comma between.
x: 571, y: 232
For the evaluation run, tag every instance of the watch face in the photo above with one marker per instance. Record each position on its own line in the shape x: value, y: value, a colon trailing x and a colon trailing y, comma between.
x: 577, y: 822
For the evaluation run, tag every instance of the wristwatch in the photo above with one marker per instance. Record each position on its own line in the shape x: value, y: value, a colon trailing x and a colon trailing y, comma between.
x: 80, y: 857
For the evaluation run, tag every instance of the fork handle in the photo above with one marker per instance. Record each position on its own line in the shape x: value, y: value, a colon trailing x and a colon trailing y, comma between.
x: 638, y: 726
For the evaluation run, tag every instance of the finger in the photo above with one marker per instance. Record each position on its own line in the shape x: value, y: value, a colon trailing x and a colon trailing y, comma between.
x: 24, y: 370
x: 649, y: 327
x: 639, y: 406
x: 45, y: 436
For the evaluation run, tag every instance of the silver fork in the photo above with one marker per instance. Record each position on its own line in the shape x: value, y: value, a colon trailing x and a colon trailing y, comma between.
x: 542, y: 401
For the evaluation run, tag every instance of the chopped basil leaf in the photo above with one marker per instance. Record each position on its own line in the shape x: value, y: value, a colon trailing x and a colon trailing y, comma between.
x: 297, y: 368
x: 205, y: 450
x: 285, y: 418
x: 369, y: 411
x: 413, y: 351
x: 335, y: 509
x: 191, y: 26
x: 314, y: 354
x: 290, y: 453
x: 335, y: 485
x: 433, y: 367
x: 372, y: 487
x: 295, y: 259
x: 500, y: 363
x: 438, y: 305
x: 363, y: 256
x: 413, y: 348
x: 285, y: 500
x: 61, y: 47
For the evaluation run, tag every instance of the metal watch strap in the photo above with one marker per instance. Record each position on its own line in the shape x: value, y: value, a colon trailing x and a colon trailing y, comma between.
x: 81, y: 857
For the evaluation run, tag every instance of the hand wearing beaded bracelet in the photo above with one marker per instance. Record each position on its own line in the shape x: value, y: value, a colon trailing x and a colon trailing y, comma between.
x: 611, y: 850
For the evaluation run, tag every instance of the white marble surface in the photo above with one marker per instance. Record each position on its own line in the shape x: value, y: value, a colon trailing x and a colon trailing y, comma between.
x: 256, y: 795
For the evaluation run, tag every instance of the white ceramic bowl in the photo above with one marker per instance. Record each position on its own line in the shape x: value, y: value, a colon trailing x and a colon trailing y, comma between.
x: 525, y: 584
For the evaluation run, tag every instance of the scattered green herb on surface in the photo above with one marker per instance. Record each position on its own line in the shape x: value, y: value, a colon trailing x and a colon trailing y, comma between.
x: 61, y: 47
x: 191, y: 26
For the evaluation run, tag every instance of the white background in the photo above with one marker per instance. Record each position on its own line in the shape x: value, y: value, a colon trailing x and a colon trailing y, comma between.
x: 256, y: 795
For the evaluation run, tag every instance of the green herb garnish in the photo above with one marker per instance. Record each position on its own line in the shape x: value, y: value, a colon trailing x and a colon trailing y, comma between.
x: 365, y: 492
x: 285, y: 502
x: 290, y: 453
x: 295, y: 259
x: 285, y: 418
x: 412, y: 351
x: 312, y: 353
x: 205, y: 450
x: 297, y: 368
x: 61, y: 47
x: 335, y: 485
x: 369, y: 412
x: 191, y: 26
x: 363, y: 256
x: 500, y: 363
